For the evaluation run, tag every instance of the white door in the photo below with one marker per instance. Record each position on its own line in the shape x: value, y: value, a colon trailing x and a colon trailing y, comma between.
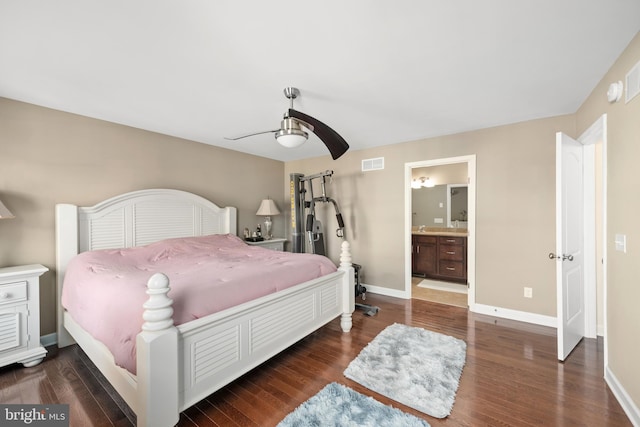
x: 569, y: 255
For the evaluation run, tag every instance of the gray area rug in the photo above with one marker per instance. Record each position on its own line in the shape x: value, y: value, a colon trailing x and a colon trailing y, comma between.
x: 413, y: 366
x: 337, y: 405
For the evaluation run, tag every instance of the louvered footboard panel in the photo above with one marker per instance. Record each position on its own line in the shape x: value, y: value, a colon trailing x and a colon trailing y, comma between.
x: 215, y: 353
x: 222, y: 349
x: 270, y: 327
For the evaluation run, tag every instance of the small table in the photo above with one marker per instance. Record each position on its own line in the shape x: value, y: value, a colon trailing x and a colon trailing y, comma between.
x: 275, y: 243
x: 20, y: 315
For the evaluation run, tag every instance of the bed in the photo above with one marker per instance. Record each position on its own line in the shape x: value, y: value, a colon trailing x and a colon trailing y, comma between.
x: 177, y: 366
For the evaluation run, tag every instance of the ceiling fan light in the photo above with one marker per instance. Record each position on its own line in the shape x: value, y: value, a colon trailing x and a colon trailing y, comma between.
x: 291, y: 140
x: 291, y: 135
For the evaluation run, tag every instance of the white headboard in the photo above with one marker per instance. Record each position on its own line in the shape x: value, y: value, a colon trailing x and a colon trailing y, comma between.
x: 135, y: 219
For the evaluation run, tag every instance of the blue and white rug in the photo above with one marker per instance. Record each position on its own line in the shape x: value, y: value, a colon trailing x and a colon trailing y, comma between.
x: 337, y: 405
x: 413, y: 366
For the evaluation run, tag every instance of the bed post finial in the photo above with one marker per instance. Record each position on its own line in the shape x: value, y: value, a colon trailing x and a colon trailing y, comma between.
x: 345, y: 254
x: 348, y: 288
x: 158, y: 310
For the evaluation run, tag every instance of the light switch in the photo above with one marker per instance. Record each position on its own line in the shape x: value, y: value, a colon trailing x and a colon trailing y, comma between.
x: 438, y: 220
x: 621, y: 242
x: 441, y: 205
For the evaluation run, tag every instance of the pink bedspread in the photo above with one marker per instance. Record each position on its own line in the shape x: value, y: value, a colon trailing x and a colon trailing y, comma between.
x: 104, y: 290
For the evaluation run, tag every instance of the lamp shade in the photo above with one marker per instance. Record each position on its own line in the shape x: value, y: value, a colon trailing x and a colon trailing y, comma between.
x: 4, y: 212
x: 268, y: 208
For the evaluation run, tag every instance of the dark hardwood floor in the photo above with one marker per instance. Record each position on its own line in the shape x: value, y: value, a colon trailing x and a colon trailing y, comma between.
x: 511, y: 376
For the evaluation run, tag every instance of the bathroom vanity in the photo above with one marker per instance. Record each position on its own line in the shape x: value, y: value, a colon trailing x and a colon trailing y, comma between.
x: 440, y: 254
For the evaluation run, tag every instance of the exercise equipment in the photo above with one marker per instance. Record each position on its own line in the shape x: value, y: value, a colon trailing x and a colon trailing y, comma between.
x: 312, y: 237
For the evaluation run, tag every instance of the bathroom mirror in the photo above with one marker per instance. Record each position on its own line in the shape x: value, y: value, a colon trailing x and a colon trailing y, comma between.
x: 440, y: 206
x: 457, y: 197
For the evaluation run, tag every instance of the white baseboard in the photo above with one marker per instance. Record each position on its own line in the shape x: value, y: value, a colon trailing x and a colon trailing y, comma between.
x: 521, y: 316
x: 48, y: 340
x: 396, y: 293
x: 629, y: 407
x: 505, y: 313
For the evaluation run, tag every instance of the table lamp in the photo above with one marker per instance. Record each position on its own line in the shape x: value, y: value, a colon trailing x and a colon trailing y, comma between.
x: 268, y: 209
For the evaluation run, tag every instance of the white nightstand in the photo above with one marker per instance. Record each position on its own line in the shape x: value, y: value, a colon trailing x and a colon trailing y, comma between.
x: 20, y: 315
x: 275, y: 243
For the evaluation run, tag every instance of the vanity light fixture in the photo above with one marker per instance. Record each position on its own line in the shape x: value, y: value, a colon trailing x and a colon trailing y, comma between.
x: 422, y: 182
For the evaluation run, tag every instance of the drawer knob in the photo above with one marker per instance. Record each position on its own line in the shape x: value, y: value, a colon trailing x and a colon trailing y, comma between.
x: 4, y: 295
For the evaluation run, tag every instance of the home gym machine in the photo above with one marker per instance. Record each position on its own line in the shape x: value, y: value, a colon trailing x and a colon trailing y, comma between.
x: 312, y: 236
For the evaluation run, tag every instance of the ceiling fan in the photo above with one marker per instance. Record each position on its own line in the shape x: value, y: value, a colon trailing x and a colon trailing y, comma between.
x: 292, y: 131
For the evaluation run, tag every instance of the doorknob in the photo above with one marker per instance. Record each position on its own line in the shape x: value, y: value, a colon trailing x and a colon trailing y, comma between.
x: 563, y: 257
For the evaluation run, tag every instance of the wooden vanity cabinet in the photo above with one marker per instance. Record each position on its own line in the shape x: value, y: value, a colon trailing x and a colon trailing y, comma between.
x: 425, y: 255
x: 440, y: 257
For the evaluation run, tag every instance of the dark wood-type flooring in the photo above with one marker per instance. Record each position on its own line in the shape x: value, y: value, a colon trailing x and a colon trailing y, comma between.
x: 511, y: 376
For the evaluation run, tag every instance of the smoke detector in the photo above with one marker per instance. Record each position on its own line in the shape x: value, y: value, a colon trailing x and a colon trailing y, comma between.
x: 614, y: 94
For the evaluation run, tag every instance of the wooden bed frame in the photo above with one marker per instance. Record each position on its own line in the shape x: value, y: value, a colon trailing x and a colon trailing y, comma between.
x: 177, y: 366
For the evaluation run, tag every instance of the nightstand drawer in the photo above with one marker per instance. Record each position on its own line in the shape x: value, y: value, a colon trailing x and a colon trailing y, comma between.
x: 13, y: 292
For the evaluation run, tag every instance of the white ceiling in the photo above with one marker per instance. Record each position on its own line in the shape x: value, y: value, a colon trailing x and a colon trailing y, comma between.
x: 378, y: 72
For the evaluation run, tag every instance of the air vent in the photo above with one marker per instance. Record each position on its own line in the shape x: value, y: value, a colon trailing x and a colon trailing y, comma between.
x: 632, y: 85
x: 373, y: 164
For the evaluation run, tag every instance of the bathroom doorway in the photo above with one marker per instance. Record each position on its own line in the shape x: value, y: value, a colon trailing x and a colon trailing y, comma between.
x: 429, y: 208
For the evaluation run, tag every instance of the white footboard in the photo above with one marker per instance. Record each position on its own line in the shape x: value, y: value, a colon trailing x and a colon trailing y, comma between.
x: 179, y: 366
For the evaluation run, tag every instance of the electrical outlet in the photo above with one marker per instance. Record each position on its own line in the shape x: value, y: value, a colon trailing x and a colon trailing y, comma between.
x: 528, y: 292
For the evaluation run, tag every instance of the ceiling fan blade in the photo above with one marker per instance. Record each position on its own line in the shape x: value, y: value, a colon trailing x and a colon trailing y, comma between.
x: 250, y: 134
x: 335, y: 143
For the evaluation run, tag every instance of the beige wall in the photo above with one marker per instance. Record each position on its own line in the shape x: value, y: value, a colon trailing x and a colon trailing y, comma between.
x: 49, y: 157
x: 515, y: 214
x: 623, y: 203
x: 443, y: 174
